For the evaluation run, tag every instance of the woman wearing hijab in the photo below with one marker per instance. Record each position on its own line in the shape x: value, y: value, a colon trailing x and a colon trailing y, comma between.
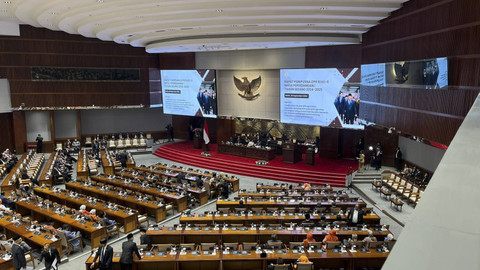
x: 330, y: 237
x: 308, y: 240
x: 302, y: 259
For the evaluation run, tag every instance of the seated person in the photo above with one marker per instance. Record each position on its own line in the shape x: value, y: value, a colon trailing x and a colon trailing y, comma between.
x: 302, y: 259
x: 70, y: 235
x: 369, y: 238
x: 354, y: 239
x: 308, y: 240
x: 49, y: 228
x: 7, y: 244
x: 108, y: 222
x: 83, y: 210
x: 307, y: 220
x: 330, y: 237
x: 4, y: 208
x: 93, y: 215
x: 4, y: 243
x: 275, y: 242
x: 25, y: 175
x: 307, y: 187
x: 76, y: 146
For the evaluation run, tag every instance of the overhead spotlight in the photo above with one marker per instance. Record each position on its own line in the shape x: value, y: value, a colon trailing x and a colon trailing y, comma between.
x: 370, y: 148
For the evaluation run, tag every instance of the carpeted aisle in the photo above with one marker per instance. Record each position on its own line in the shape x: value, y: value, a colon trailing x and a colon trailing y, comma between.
x: 331, y: 171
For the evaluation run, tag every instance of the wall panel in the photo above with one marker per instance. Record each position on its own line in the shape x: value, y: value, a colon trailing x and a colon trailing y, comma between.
x: 420, y: 30
x: 42, y: 47
x: 7, y: 137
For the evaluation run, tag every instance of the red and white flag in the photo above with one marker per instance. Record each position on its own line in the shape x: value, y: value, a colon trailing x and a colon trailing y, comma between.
x: 205, y: 133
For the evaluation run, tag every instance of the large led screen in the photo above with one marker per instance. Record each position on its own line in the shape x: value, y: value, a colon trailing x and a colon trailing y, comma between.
x: 323, y: 97
x: 427, y: 74
x: 189, y: 92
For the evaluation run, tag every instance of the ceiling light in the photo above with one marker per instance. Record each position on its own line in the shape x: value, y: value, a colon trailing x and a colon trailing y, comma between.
x: 219, y: 10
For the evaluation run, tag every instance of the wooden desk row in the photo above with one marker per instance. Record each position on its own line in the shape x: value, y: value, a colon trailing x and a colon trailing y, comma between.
x: 6, y: 263
x: 149, y: 207
x: 109, y: 168
x: 251, y: 260
x: 265, y: 203
x: 198, y: 193
x: 244, y: 151
x: 7, y: 184
x: 170, y: 235
x: 11, y: 229
x: 234, y: 181
x: 171, y: 177
x: 82, y: 172
x: 126, y: 219
x: 47, y: 173
x: 293, y: 194
x: 179, y: 201
x: 39, y: 213
x: 268, y: 218
x: 285, y: 187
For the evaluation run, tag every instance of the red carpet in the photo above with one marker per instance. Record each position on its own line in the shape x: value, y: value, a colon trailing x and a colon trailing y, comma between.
x: 325, y: 171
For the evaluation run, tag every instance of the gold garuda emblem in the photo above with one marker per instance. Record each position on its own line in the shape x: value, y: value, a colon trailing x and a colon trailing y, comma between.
x: 248, y: 90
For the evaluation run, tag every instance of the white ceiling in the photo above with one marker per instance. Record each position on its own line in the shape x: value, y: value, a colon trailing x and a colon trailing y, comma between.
x: 200, y: 25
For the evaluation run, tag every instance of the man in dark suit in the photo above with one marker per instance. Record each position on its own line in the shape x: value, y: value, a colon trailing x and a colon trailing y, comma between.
x: 145, y: 239
x: 39, y: 140
x: 52, y: 257
x: 18, y: 255
x: 350, y: 110
x: 339, y: 103
x: 105, y: 256
x: 355, y: 216
x: 399, y: 159
x: 128, y: 248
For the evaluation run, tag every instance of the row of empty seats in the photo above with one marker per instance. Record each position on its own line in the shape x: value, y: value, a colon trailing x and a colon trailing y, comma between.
x: 403, y: 187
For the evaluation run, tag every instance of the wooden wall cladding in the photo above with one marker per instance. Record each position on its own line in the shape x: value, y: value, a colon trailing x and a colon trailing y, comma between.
x: 329, y: 140
x: 424, y: 29
x: 177, y: 60
x: 20, y: 131
x: 389, y: 143
x: 42, y: 47
x: 7, y: 136
x: 344, y: 56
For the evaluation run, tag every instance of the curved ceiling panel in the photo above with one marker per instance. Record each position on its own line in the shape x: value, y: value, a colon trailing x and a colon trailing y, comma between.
x: 199, y: 25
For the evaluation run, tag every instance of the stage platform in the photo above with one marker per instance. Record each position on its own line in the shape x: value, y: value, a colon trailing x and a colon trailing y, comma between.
x: 325, y: 171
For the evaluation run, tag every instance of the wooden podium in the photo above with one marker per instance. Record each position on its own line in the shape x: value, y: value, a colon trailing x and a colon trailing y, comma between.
x: 197, y: 142
x: 310, y: 156
x: 290, y: 153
